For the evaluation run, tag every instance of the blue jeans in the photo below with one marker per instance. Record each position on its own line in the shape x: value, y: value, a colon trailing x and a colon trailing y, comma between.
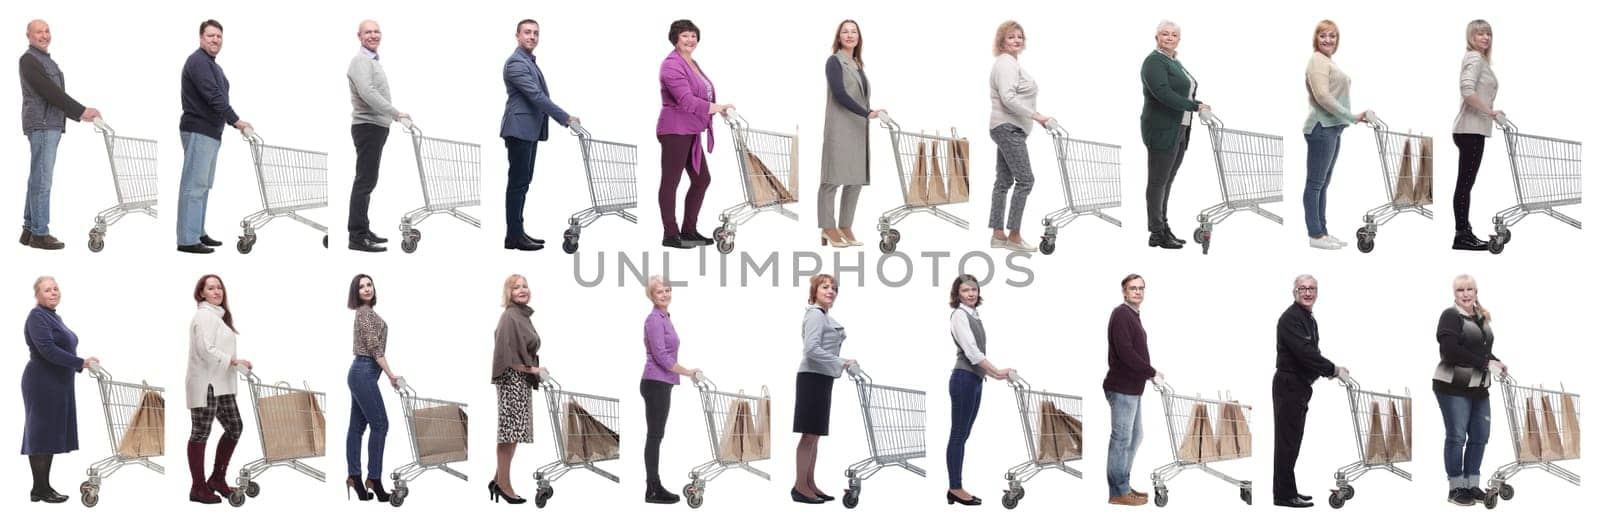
x: 966, y: 391
x: 199, y: 170
x: 366, y: 411
x: 41, y: 171
x: 1127, y: 430
x: 1466, y: 433
x: 1322, y: 151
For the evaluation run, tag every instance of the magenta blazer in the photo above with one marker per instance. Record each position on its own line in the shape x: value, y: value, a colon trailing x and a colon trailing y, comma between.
x: 686, y: 103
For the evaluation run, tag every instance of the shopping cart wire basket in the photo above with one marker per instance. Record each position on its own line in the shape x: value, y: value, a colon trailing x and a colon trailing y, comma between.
x: 1052, y: 429
x: 612, y: 172
x: 438, y: 434
x: 133, y: 174
x: 450, y: 172
x: 587, y: 429
x: 895, y: 423
x: 290, y: 181
x: 1202, y: 431
x: 135, y: 415
x: 767, y: 162
x: 740, y: 430
x: 1249, y: 172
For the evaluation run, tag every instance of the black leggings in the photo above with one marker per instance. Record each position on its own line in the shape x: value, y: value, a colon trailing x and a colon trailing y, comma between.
x: 657, y: 403
x: 1471, y: 147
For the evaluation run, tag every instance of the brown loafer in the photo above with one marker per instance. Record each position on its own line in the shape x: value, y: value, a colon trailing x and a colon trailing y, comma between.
x: 1127, y: 500
x: 1137, y: 493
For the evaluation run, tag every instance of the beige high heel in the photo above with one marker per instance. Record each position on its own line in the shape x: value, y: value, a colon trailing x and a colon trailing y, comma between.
x: 827, y: 241
x: 849, y: 238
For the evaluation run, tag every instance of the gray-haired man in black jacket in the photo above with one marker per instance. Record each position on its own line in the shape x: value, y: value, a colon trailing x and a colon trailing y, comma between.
x: 1300, y: 363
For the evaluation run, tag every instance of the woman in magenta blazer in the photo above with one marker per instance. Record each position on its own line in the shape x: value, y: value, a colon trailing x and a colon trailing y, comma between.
x: 688, y: 100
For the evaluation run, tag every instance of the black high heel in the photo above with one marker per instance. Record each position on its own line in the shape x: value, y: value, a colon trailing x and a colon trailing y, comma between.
x: 951, y: 498
x: 496, y: 493
x: 377, y: 490
x: 350, y: 484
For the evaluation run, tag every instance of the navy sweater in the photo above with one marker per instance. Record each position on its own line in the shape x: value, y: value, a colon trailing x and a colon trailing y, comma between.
x: 205, y: 97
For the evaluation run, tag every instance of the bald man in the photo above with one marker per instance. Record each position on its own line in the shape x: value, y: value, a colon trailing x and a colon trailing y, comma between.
x: 371, y: 115
x: 45, y: 110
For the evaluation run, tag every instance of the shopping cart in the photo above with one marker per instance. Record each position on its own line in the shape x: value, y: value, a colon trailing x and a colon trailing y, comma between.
x: 612, y: 170
x: 291, y: 427
x: 1091, y: 182
x: 1547, y: 173
x: 740, y: 427
x: 133, y: 172
x: 1402, y: 157
x: 1383, y: 437
x: 1544, y: 430
x: 449, y: 171
x: 438, y: 437
x: 290, y: 181
x: 1249, y: 171
x: 766, y: 168
x: 894, y: 420
x: 135, y: 425
x: 587, y: 429
x: 1197, y: 444
x: 915, y: 153
x: 1052, y: 428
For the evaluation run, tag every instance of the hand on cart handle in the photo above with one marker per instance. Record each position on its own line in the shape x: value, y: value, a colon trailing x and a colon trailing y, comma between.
x: 92, y: 364
x: 1042, y: 119
x: 875, y: 113
x: 1498, y: 368
x: 1015, y: 380
x: 1160, y: 381
x: 887, y: 122
x: 397, y: 381
x: 244, y: 363
x: 249, y: 132
x: 1004, y: 373
x: 411, y: 127
x: 1371, y: 118
x: 578, y: 130
x: 721, y: 109
x: 1209, y: 118
x: 1504, y: 122
x: 733, y: 119
x: 854, y: 370
x: 101, y: 125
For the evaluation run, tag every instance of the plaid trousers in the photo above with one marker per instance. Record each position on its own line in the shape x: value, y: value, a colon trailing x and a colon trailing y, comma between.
x: 224, y: 409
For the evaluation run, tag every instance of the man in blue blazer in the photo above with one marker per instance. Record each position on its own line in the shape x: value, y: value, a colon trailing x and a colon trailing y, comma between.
x: 525, y: 123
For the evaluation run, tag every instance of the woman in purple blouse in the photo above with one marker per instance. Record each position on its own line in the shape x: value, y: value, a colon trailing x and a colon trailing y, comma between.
x: 661, y: 372
x: 688, y: 100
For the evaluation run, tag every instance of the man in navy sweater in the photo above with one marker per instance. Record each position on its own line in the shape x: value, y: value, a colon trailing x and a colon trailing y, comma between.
x: 205, y: 111
x: 1300, y: 363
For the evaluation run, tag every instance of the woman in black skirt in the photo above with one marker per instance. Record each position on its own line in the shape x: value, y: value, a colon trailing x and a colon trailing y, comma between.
x: 813, y: 386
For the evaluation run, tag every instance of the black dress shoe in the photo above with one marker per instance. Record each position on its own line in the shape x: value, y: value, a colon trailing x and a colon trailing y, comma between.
x: 49, y: 496
x: 796, y: 496
x: 951, y: 498
x: 1161, y: 240
x: 1466, y: 241
x: 677, y: 242
x: 212, y: 242
x: 660, y: 495
x: 694, y: 238
x: 1174, y: 237
x: 825, y: 497
x: 524, y: 245
x: 374, y: 238
x: 1306, y: 498
x: 198, y: 249
x: 366, y: 245
x: 1296, y: 502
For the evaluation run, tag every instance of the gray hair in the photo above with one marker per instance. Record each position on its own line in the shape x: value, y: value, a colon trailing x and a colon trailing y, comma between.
x: 1166, y: 24
x: 650, y: 286
x: 40, y: 282
x: 1302, y: 278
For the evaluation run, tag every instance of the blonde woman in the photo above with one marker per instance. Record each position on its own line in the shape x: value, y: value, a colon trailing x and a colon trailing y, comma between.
x: 1461, y: 384
x: 662, y: 372
x: 1474, y: 124
x: 1329, y: 90
x: 515, y: 373
x: 1013, y: 97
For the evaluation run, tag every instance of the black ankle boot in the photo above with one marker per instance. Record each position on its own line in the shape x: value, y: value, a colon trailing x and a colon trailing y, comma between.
x: 353, y: 483
x: 1467, y: 241
x: 1161, y: 240
x: 655, y: 494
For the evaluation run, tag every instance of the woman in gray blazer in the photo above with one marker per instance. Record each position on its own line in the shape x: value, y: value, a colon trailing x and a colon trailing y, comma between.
x: 846, y: 152
x: 823, y: 339
x: 1474, y: 125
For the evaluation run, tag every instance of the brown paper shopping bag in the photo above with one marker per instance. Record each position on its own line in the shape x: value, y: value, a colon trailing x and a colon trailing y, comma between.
x: 1399, y: 451
x: 761, y: 191
x: 1530, y: 434
x: 1569, y: 425
x: 441, y: 433
x: 735, y: 432
x: 1403, y: 185
x: 1405, y: 420
x: 1046, y: 449
x: 146, y: 432
x: 591, y: 438
x: 1549, y: 434
x: 1423, y: 191
x: 292, y: 426
x: 319, y: 425
x: 1073, y: 439
x: 1241, y: 428
x: 1199, y: 442
x: 959, y: 191
x: 937, y: 191
x: 1377, y: 442
x: 917, y: 194
x: 758, y: 445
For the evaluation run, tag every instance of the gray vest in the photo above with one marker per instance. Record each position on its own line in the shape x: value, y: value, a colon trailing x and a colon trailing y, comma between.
x: 846, y: 153
x: 978, y: 335
x: 38, y: 114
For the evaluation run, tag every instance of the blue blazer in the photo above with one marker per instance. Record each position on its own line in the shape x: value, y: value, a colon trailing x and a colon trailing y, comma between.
x: 528, y: 105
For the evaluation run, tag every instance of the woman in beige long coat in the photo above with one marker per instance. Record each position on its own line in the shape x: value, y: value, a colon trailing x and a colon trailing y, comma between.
x: 846, y: 155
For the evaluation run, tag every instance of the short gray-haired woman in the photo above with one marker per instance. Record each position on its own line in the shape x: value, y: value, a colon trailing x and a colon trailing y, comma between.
x: 1013, y: 97
x: 1474, y: 125
x: 50, y: 417
x: 1164, y: 124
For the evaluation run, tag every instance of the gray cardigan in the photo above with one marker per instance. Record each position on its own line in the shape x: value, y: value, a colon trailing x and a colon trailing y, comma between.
x: 823, y: 338
x: 369, y: 92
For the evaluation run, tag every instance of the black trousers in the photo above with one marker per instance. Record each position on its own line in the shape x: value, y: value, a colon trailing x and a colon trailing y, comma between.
x: 1291, y: 398
x: 657, y: 403
x: 1471, y: 149
x: 1163, y: 169
x: 369, y: 140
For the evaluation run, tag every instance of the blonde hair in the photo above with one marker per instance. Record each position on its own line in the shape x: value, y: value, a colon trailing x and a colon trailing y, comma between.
x: 1005, y: 29
x: 40, y: 282
x: 1473, y: 29
x: 505, y: 290
x: 1477, y: 304
x: 650, y: 286
x: 1316, y: 36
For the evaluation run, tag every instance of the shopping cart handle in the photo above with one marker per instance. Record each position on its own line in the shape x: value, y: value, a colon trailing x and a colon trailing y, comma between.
x: 250, y: 135
x: 410, y: 125
x: 701, y: 379
x: 857, y: 374
x: 1349, y: 382
x: 578, y: 130
x: 99, y: 371
x: 100, y: 125
x: 1505, y: 122
x: 248, y: 375
x: 1211, y: 119
x: 1016, y: 381
x: 1374, y: 122
x: 733, y: 119
x: 1055, y: 128
x: 886, y: 121
x: 1161, y: 384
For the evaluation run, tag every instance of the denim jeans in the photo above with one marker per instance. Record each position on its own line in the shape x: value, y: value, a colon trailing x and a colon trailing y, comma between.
x: 1127, y: 430
x: 41, y: 171
x: 966, y: 392
x: 366, y: 411
x: 199, y: 170
x: 1322, y: 151
x: 1466, y: 433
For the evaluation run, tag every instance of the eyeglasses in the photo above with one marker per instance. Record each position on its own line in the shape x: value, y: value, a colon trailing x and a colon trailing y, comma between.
x: 1305, y: 289
x: 1136, y: 288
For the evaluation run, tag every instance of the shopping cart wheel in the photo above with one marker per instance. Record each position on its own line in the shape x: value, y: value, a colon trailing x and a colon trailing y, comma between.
x: 97, y: 240
x: 1497, y: 244
x: 1009, y: 500
x: 889, y: 241
x: 398, y: 498
x: 1347, y: 492
x: 1335, y: 500
x: 1203, y: 236
x: 252, y: 489
x: 90, y: 494
x: 324, y: 241
x: 246, y: 243
x: 1507, y: 492
x: 1365, y: 240
x: 693, y: 496
x: 569, y: 240
x: 1047, y: 245
x: 1161, y: 497
x: 543, y: 495
x: 236, y: 499
x: 851, y: 498
x: 409, y: 240
x: 1491, y: 500
x: 1244, y: 495
x: 1505, y: 235
x: 724, y: 240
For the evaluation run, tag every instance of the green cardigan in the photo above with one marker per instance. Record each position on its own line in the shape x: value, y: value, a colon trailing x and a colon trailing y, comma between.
x: 1166, y: 98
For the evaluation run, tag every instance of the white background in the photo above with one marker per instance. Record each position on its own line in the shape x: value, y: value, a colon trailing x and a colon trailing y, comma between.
x: 1210, y: 318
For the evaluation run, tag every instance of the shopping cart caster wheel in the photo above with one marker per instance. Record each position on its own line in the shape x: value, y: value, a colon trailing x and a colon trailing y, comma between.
x: 1047, y: 245
x: 1245, y: 496
x: 236, y: 499
x: 252, y: 489
x: 1009, y: 500
x: 1505, y: 235
x: 1366, y: 239
x: 1507, y: 492
x: 889, y: 241
x: 1203, y: 236
x: 1491, y: 501
x: 1496, y: 244
x: 97, y: 240
x: 1161, y: 499
x: 324, y: 241
x: 398, y: 498
x: 409, y: 240
x: 245, y: 244
x: 90, y: 497
x: 1347, y: 492
x: 543, y: 496
x: 694, y: 498
x: 1335, y: 500
x: 851, y: 499
x: 569, y: 245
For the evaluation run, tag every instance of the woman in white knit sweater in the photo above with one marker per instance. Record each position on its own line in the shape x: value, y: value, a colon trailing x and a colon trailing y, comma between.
x: 1012, y: 99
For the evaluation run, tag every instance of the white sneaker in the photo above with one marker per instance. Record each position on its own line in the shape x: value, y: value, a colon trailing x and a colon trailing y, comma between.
x: 1023, y: 246
x: 1336, y: 240
x: 1325, y: 243
x: 997, y: 242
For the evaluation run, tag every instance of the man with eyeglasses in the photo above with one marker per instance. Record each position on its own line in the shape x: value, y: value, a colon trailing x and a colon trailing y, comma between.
x: 1128, y: 361
x: 1300, y: 363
